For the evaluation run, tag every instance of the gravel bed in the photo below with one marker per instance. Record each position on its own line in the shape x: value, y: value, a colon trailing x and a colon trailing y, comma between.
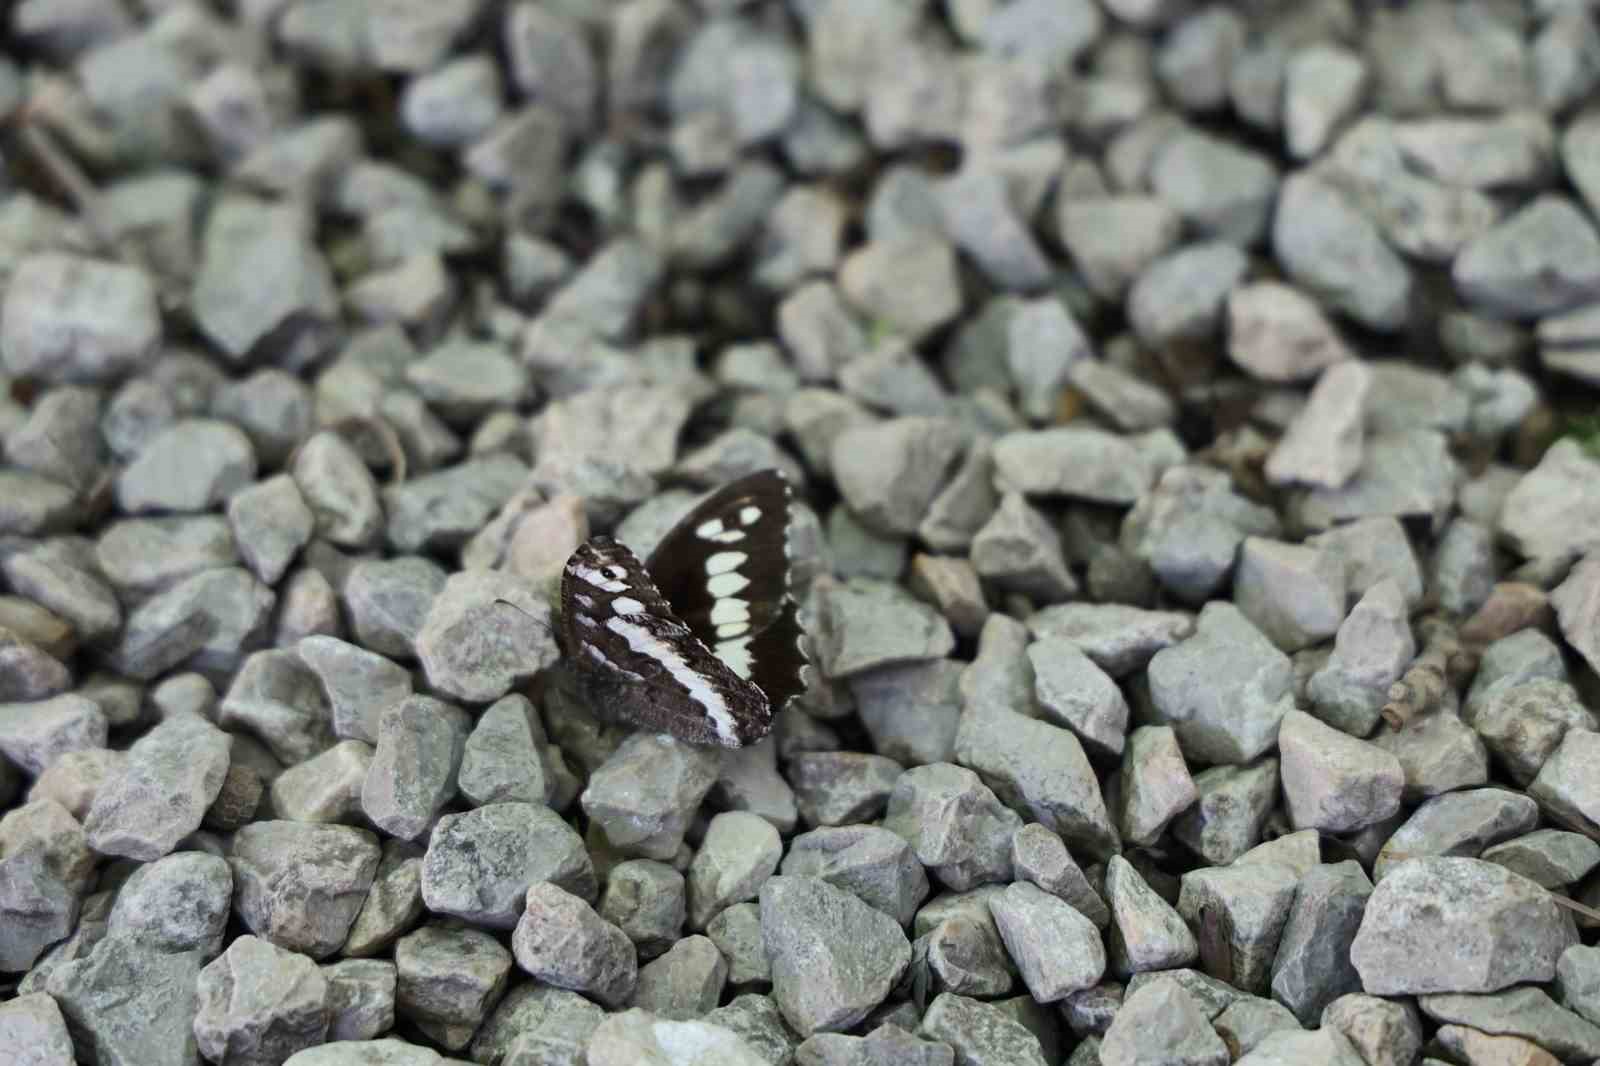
x: 1193, y: 415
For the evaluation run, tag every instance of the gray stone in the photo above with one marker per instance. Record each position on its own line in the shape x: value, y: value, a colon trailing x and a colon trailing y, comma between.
x: 1543, y: 259
x: 1073, y: 692
x: 979, y: 218
x: 192, y: 465
x: 1457, y: 823
x: 1373, y: 648
x: 637, y: 1036
x: 1566, y: 786
x: 645, y: 794
x: 887, y: 1045
x: 1288, y: 1048
x: 171, y: 775
x: 1224, y: 690
x: 685, y: 982
x: 737, y: 854
x: 862, y: 953
x: 443, y: 510
x: 270, y: 522
x: 262, y: 283
x: 33, y: 1027
x: 1385, y: 1032
x: 1322, y: 446
x: 1438, y: 753
x: 1250, y: 901
x: 63, y: 576
x: 1181, y: 296
x: 736, y: 932
x: 1129, y: 402
x: 1552, y: 512
x: 209, y: 620
x: 1039, y: 857
x: 27, y: 671
x: 301, y: 885
x: 504, y: 758
x: 413, y: 774
x: 1312, y: 967
x: 1278, y: 334
x: 561, y: 941
x: 1292, y: 593
x: 980, y: 1032
x: 1551, y: 858
x: 144, y: 555
x: 1231, y: 808
x: 178, y: 903
x: 272, y: 407
x: 1189, y: 528
x: 388, y: 600
x: 1115, y: 637
x: 1577, y: 604
x: 1088, y: 464
x: 1113, y: 240
x: 33, y: 505
x: 45, y: 868
x: 447, y: 980
x: 1338, y: 253
x: 277, y: 699
x: 74, y: 779
x: 1334, y: 782
x: 454, y: 103
x: 1524, y: 723
x: 1456, y: 925
x: 259, y: 1004
x: 359, y: 685
x: 647, y: 901
x: 889, y: 472
x: 956, y: 826
x: 1020, y: 552
x: 1145, y: 933
x: 361, y: 994
x: 535, y: 1020
x: 69, y: 318
x: 1155, y: 784
x: 339, y: 489
x: 1220, y: 189
x: 874, y: 863
x: 468, y: 647
x: 1041, y: 771
x: 835, y: 788
x: 393, y: 903
x: 1578, y: 980
x: 1057, y: 949
x: 1249, y: 1021
x: 866, y: 624
x: 479, y: 864
x: 386, y: 1052
x: 1162, y: 1022
x: 34, y: 735
x: 130, y: 1004
x: 1525, y: 1012
x: 1407, y: 474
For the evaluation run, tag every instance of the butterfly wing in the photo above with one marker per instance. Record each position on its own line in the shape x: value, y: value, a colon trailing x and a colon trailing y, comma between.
x: 725, y: 570
x: 636, y: 661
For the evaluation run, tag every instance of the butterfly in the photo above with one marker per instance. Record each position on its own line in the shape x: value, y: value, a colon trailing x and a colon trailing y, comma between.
x: 703, y: 640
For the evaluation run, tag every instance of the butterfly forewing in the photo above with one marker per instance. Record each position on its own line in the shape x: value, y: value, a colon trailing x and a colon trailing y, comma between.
x: 725, y: 570
x: 637, y: 661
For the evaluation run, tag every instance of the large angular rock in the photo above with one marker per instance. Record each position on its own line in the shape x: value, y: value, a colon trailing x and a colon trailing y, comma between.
x: 300, y: 885
x: 171, y: 776
x: 45, y: 867
x: 130, y: 1004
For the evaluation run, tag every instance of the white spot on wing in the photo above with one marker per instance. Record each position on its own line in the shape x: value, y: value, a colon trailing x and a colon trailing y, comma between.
x: 731, y: 629
x: 585, y: 620
x: 583, y: 601
x: 724, y: 585
x: 601, y: 579
x: 728, y: 610
x: 722, y: 562
x: 709, y: 530
x: 643, y: 642
x: 627, y: 605
x: 731, y: 536
x: 736, y: 653
x: 749, y: 515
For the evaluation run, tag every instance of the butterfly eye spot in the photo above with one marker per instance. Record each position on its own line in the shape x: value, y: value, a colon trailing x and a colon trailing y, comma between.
x: 627, y: 605
x: 602, y: 579
x: 749, y: 515
x: 723, y: 562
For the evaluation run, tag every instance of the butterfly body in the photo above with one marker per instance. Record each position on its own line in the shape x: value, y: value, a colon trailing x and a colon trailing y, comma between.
x: 702, y: 641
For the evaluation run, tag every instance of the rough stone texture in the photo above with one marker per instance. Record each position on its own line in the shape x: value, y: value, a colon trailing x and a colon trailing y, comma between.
x: 170, y: 777
x: 45, y: 868
x: 259, y: 1004
x: 130, y: 1004
x: 299, y: 885
x: 1456, y: 925
x: 833, y: 957
x: 480, y: 864
x: 1332, y: 781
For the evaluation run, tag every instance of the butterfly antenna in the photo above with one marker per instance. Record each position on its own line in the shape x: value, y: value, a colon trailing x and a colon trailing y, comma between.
x: 535, y: 619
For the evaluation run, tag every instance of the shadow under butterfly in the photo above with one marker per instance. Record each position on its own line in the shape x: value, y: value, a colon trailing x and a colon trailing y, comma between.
x: 703, y: 640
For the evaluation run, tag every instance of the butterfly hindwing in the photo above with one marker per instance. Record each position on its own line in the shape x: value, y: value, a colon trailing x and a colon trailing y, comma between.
x: 725, y: 570
x: 637, y: 661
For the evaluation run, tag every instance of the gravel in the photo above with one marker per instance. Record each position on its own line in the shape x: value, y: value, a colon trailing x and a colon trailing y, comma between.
x: 1191, y: 417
